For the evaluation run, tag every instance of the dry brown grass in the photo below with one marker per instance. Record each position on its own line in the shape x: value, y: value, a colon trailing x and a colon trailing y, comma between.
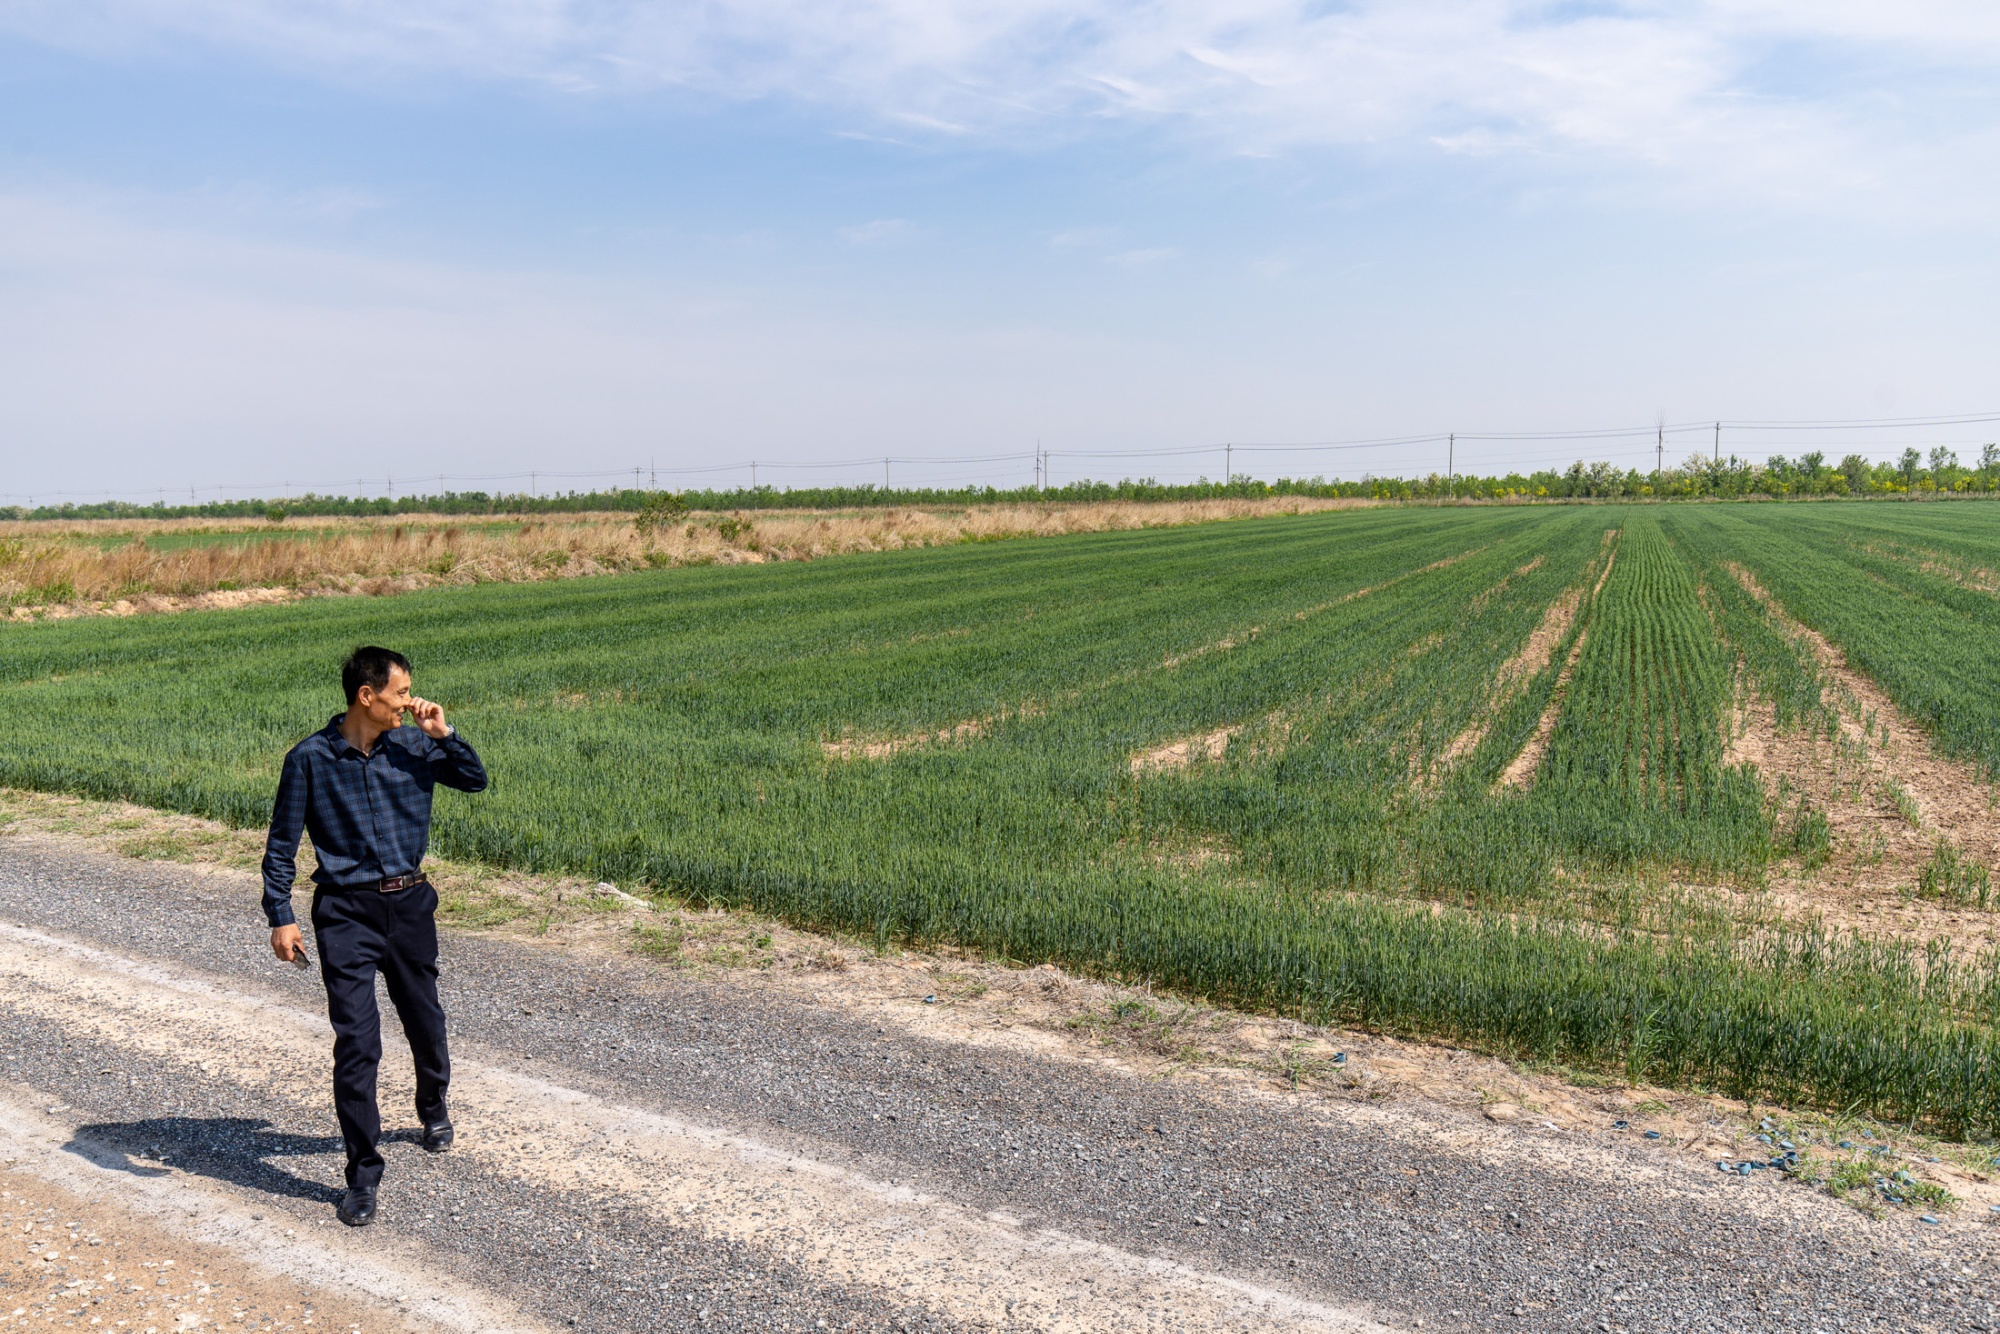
x: 49, y: 569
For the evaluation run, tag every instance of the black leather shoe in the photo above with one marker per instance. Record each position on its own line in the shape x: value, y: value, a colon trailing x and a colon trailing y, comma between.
x: 437, y: 1138
x: 357, y: 1206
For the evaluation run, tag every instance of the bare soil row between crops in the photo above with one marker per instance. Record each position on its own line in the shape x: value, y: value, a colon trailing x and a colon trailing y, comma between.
x: 48, y: 571
x: 1938, y: 565
x: 1889, y: 797
x: 1173, y: 754
x: 1520, y: 771
x: 1541, y: 1119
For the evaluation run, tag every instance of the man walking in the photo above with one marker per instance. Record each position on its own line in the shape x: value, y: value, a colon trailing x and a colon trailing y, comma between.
x: 361, y: 786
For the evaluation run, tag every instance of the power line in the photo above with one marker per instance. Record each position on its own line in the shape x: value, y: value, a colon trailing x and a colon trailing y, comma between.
x: 1875, y: 423
x: 1042, y: 458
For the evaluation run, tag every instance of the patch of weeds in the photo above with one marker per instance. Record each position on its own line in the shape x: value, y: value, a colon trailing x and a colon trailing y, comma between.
x: 1852, y: 1175
x: 1884, y: 1186
x: 1806, y: 835
x: 555, y: 903
x: 1928, y: 1192
x: 656, y: 942
x: 1589, y: 1079
x: 1905, y: 804
x: 56, y: 590
x: 164, y: 846
x: 959, y: 986
x: 1871, y: 849
x: 1139, y: 1024
x: 1301, y: 1068
x: 1650, y: 1107
x: 468, y: 908
x: 1950, y: 878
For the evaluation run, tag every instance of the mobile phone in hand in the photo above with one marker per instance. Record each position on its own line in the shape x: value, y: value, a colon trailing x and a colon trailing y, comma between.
x: 299, y: 959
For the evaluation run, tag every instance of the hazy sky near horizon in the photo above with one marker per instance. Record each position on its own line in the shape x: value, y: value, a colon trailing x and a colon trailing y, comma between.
x: 318, y: 242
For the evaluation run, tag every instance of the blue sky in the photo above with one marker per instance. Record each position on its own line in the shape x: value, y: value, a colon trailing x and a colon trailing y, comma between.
x: 328, y: 242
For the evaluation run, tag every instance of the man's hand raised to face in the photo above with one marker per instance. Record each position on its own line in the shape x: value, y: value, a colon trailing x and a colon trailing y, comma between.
x: 429, y: 715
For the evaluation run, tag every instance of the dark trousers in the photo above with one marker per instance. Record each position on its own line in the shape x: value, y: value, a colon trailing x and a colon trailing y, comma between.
x: 360, y: 931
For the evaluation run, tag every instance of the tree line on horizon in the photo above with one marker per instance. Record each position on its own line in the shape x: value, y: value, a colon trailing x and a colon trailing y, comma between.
x: 1699, y: 477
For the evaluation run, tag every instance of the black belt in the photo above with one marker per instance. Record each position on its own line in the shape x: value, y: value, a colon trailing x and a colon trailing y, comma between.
x: 395, y: 884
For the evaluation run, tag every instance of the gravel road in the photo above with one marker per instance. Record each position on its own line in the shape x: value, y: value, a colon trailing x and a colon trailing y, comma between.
x: 642, y: 1149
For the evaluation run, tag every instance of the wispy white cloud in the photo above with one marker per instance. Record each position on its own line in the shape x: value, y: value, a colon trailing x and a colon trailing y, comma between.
x: 1142, y: 259
x: 1082, y: 238
x: 1734, y: 91
x: 880, y: 232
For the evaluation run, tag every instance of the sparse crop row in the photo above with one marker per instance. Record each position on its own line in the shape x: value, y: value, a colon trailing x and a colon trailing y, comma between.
x: 1927, y: 639
x: 940, y: 746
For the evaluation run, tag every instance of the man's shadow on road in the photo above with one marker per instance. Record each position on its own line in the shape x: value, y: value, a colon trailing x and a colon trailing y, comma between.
x: 235, y: 1149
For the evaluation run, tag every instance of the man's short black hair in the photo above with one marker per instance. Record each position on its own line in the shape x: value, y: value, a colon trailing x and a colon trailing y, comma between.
x: 369, y: 666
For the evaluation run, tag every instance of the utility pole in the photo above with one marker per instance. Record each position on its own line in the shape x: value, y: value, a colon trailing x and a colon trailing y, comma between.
x: 652, y: 473
x: 1718, y: 443
x: 1450, y: 457
x: 885, y: 474
x: 753, y: 474
x: 390, y: 480
x: 533, y: 490
x: 1228, y: 453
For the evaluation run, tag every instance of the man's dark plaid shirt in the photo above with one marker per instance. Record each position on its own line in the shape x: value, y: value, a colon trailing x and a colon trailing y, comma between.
x: 369, y: 815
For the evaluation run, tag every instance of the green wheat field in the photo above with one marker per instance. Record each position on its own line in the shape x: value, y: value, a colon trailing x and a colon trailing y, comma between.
x: 1439, y: 772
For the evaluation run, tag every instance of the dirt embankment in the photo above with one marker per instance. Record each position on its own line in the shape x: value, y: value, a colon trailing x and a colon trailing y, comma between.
x: 1891, y: 800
